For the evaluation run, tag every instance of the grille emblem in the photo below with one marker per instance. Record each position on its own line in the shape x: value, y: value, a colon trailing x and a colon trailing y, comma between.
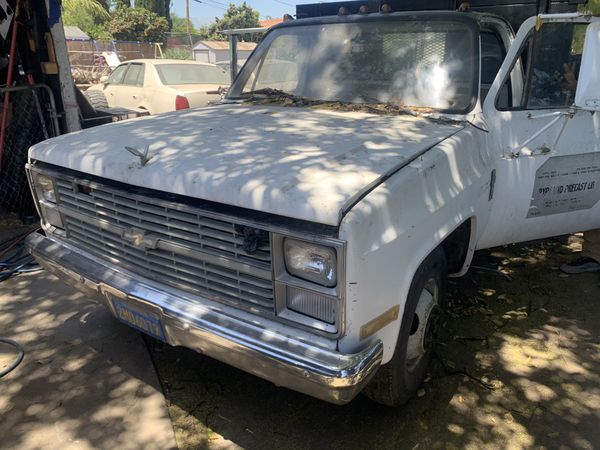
x: 139, y: 238
x: 253, y: 238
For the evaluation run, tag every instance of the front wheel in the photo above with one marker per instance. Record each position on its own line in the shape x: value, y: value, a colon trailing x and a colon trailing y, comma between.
x: 398, y: 380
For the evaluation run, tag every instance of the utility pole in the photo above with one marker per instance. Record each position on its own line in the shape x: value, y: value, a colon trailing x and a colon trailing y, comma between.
x: 187, y: 26
x: 187, y: 16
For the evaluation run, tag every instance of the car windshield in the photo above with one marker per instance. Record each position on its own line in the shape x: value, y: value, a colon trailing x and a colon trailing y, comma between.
x: 425, y: 64
x: 191, y: 74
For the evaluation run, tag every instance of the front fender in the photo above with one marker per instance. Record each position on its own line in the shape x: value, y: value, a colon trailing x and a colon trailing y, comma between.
x: 394, y: 228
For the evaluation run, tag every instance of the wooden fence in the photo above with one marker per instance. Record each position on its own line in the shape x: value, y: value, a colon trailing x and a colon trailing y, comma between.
x: 88, y: 53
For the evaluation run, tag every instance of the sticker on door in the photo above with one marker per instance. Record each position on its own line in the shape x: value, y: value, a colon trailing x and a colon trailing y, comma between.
x: 566, y: 183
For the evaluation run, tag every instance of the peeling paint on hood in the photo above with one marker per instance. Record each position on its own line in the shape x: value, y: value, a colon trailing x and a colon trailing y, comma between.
x: 303, y: 163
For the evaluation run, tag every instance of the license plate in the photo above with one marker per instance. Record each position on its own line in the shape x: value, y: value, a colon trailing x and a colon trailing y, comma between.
x: 145, y: 322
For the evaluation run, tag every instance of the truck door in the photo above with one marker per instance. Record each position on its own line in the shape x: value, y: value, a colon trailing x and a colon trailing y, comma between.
x: 546, y: 180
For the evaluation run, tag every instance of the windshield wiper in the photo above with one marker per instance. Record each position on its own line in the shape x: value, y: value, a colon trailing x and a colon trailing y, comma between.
x: 371, y: 104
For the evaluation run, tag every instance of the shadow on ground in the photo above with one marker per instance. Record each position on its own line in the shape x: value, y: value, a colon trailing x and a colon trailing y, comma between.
x: 518, y: 367
x: 86, y: 381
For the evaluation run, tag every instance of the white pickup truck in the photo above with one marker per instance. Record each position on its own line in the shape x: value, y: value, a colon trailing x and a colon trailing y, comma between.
x: 303, y: 229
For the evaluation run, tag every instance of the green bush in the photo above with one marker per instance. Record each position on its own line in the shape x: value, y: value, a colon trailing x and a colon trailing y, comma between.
x: 177, y: 53
x: 137, y: 24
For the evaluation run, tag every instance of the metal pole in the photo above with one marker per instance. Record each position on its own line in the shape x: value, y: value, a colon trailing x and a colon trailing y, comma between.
x: 233, y: 57
x: 187, y: 26
x: 187, y: 16
x: 67, y: 86
x: 9, y: 80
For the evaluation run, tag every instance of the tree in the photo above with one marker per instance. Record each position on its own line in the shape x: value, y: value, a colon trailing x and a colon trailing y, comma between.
x: 85, y: 14
x: 122, y: 4
x: 242, y: 16
x: 592, y: 7
x: 178, y: 25
x: 137, y: 24
x: 160, y: 7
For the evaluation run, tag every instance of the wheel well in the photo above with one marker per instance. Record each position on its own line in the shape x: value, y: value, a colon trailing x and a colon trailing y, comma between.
x: 456, y: 247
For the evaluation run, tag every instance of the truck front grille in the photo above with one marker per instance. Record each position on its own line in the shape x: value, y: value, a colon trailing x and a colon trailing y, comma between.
x: 170, y: 243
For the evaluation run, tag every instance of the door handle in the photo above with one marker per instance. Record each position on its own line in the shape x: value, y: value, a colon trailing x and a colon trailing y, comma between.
x: 134, y: 96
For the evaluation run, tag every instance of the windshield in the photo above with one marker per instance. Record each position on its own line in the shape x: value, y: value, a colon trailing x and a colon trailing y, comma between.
x: 191, y: 74
x: 424, y: 64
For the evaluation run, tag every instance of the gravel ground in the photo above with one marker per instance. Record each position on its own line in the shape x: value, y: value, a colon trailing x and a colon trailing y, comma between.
x: 518, y: 366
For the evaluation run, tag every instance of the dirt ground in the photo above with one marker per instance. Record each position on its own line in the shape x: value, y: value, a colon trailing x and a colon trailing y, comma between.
x: 518, y: 366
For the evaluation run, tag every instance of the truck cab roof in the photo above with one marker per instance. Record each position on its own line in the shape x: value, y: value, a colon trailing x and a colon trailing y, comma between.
x: 468, y: 17
x: 513, y: 11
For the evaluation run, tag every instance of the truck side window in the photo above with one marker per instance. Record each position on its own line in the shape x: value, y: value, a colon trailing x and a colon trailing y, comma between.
x: 554, y: 66
x: 550, y: 61
x: 492, y: 55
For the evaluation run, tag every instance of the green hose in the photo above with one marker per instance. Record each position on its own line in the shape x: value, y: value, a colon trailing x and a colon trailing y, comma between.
x: 17, y: 360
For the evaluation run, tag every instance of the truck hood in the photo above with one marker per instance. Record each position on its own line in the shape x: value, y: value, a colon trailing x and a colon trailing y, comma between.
x: 302, y: 163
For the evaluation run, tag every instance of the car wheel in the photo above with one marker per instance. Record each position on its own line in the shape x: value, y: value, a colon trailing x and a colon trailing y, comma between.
x: 398, y: 380
x: 96, y: 98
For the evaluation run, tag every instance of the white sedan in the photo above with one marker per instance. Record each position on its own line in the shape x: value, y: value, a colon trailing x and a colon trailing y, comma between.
x: 159, y: 85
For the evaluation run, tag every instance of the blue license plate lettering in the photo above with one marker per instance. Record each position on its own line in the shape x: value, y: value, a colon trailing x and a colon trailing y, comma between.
x: 145, y: 322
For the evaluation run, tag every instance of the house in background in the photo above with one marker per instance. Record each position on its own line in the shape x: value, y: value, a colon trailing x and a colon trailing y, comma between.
x: 268, y: 23
x: 216, y: 51
x: 74, y: 33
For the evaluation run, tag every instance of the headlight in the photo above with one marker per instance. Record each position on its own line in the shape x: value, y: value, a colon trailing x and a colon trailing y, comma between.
x: 311, y: 262
x: 45, y: 188
x: 46, y: 195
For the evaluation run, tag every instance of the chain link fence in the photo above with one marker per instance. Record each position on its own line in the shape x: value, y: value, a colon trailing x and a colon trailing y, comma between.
x: 33, y: 118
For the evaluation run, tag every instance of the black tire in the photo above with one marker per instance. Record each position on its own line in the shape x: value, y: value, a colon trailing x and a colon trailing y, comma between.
x: 96, y: 98
x: 397, y: 381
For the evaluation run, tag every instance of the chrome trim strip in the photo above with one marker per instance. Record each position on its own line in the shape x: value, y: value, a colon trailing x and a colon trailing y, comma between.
x: 261, y: 350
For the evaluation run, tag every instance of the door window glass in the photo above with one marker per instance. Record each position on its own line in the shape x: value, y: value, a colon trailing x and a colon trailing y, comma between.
x: 554, y: 65
x: 549, y: 63
x: 116, y: 77
x: 135, y: 75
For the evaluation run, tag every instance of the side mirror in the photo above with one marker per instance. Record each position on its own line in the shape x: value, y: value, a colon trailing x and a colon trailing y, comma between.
x: 104, y: 79
x: 588, y: 86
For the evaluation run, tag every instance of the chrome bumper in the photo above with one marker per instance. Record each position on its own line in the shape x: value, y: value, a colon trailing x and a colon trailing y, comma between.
x: 259, y: 350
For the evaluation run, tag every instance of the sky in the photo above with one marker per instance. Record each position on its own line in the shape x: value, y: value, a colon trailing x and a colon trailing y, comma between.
x: 205, y: 12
